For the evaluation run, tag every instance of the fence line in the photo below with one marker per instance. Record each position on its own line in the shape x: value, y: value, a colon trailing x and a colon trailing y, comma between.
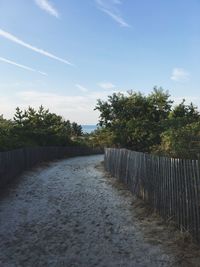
x: 12, y: 163
x: 170, y: 186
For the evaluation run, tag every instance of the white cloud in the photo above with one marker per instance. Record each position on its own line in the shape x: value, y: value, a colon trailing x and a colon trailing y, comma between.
x: 81, y: 88
x: 15, y: 39
x: 107, y: 85
x: 48, y: 7
x: 21, y: 66
x: 180, y: 75
x: 188, y: 99
x: 75, y: 108
x: 110, y: 8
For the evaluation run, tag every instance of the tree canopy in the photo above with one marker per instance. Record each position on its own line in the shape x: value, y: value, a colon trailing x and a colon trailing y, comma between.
x: 40, y: 127
x: 146, y: 123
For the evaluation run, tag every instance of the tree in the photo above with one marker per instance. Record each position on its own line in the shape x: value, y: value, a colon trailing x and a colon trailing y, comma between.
x: 101, y: 137
x: 7, y: 141
x: 183, y: 114
x: 41, y: 127
x: 33, y: 127
x: 76, y: 129
x: 182, y: 142
x: 136, y: 121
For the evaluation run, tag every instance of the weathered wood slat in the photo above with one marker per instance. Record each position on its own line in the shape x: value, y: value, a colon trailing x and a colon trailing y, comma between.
x: 170, y: 186
x: 12, y: 163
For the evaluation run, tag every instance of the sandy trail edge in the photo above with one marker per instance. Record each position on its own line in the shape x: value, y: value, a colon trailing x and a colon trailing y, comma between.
x: 69, y: 213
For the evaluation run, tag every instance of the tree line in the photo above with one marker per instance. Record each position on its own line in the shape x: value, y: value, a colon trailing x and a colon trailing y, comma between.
x: 40, y: 127
x: 149, y: 124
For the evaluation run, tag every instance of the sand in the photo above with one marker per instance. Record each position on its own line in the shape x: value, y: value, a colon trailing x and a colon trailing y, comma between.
x: 68, y: 213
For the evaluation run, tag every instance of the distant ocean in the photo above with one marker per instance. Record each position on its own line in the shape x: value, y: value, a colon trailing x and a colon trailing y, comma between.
x: 88, y: 128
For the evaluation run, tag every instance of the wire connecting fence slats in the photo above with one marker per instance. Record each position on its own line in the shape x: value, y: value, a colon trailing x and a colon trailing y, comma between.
x: 170, y: 186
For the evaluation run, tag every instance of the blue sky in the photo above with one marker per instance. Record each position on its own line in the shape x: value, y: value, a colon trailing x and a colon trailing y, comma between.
x: 66, y: 54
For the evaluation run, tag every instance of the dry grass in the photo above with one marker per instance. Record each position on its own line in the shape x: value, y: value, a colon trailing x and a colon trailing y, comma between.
x: 158, y: 231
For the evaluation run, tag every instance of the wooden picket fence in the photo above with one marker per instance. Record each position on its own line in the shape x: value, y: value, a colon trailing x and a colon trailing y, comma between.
x: 13, y: 162
x: 171, y: 186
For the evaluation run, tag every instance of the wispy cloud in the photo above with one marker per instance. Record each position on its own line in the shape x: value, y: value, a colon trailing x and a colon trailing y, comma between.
x: 180, y: 75
x: 48, y: 7
x: 110, y: 7
x: 81, y: 88
x: 16, y: 40
x: 106, y: 85
x: 21, y: 66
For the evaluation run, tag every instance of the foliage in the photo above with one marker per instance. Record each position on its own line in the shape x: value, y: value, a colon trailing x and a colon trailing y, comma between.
x: 149, y: 123
x: 36, y: 128
x: 135, y: 120
x: 76, y: 130
x: 101, y: 138
x: 182, y: 142
x: 6, y: 126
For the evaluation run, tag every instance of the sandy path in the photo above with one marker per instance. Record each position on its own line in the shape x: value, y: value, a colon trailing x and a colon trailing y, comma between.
x: 69, y: 214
